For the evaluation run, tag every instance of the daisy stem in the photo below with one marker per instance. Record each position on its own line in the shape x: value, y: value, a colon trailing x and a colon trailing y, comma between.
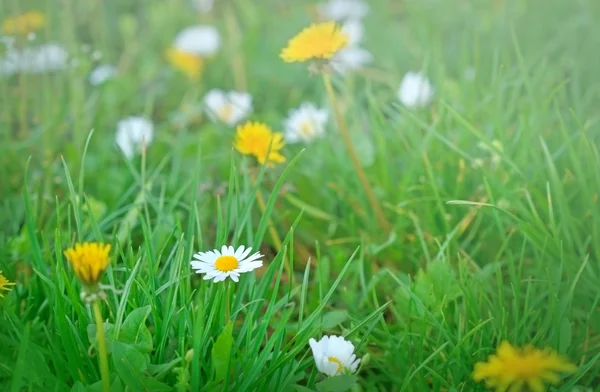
x: 102, y: 353
x: 362, y: 177
x: 227, y: 310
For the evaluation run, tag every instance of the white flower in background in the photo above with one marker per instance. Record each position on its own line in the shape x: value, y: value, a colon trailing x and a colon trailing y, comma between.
x: 354, y: 30
x: 201, y: 40
x: 96, y: 55
x: 305, y: 123
x: 343, y: 9
x: 229, y: 107
x: 334, y: 355
x: 101, y: 74
x: 203, y: 5
x: 45, y: 58
x: 229, y: 262
x: 415, y: 91
x: 134, y: 133
x: 351, y: 59
x: 31, y: 36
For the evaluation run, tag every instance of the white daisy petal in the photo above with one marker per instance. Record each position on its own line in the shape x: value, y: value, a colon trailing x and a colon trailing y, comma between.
x: 228, y: 107
x: 334, y: 355
x: 133, y: 133
x: 343, y: 9
x: 201, y: 40
x: 239, y: 252
x: 305, y: 123
x: 215, y: 266
x: 415, y: 91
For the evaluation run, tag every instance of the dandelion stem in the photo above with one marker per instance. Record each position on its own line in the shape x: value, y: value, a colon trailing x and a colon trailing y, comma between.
x: 101, y: 342
x: 362, y: 177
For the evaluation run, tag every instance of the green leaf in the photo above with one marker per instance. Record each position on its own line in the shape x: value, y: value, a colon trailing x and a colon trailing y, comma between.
x: 109, y: 336
x: 161, y: 369
x: 135, y: 332
x: 300, y: 388
x: 115, y: 386
x: 221, y: 352
x: 130, y: 365
x: 334, y: 318
x: 566, y: 335
x: 78, y: 387
x: 337, y: 383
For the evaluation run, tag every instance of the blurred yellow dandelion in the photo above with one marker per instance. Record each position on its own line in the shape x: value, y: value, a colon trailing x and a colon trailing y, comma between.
x: 4, y: 284
x: 89, y: 261
x: 190, y: 64
x: 320, y: 41
x: 255, y: 138
x: 520, y: 369
x: 24, y: 24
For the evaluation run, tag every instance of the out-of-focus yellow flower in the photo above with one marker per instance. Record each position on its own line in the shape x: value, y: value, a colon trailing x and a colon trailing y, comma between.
x: 258, y: 140
x: 190, y: 64
x: 518, y: 369
x: 4, y: 284
x: 320, y: 41
x: 89, y: 261
x: 24, y: 24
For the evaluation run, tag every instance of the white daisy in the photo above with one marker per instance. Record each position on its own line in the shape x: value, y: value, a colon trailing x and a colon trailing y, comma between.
x: 101, y: 74
x: 134, y: 133
x: 354, y: 30
x: 305, y: 123
x: 203, y: 5
x: 230, y: 107
x: 202, y: 40
x: 352, y: 58
x: 229, y: 262
x: 334, y: 355
x: 45, y: 58
x: 343, y: 9
x: 415, y: 90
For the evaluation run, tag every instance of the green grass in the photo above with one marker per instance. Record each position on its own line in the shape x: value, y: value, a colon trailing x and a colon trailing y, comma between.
x: 478, y: 254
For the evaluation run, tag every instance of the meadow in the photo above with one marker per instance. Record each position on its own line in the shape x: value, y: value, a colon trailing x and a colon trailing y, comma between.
x: 417, y: 181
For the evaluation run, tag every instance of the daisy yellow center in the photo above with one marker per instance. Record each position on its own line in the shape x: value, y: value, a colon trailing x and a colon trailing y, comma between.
x: 89, y: 261
x: 306, y: 128
x: 188, y: 63
x: 338, y: 363
x: 226, y: 263
x: 319, y: 41
x: 225, y: 112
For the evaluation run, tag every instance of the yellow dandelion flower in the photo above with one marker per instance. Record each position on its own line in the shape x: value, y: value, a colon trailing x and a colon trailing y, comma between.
x: 89, y: 261
x: 24, y: 24
x: 190, y: 64
x: 254, y: 138
x: 519, y: 369
x: 320, y: 41
x: 4, y: 284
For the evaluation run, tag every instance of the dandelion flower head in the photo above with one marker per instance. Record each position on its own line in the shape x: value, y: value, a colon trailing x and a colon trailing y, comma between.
x: 334, y: 355
x: 4, y: 284
x: 227, y: 263
x: 189, y: 63
x: 24, y: 24
x: 320, y: 41
x: 521, y: 369
x: 258, y: 140
x: 89, y: 260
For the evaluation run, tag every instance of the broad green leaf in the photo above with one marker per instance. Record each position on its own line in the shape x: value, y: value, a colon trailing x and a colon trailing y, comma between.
x: 78, y: 387
x: 130, y: 364
x: 134, y: 330
x: 221, y: 352
x: 337, y: 383
x: 162, y: 369
x: 566, y: 335
x: 334, y: 318
x: 300, y: 388
x: 115, y: 386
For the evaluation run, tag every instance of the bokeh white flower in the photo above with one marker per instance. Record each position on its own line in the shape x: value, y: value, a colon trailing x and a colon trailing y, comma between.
x: 227, y: 263
x: 416, y: 91
x: 48, y: 57
x: 305, y: 123
x: 353, y: 57
x: 201, y: 40
x: 101, y: 74
x: 343, y: 9
x: 334, y: 355
x: 355, y: 31
x: 229, y: 107
x: 133, y: 134
x: 203, y: 6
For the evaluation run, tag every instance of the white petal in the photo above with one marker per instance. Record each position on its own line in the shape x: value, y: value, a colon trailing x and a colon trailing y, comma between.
x: 202, y: 40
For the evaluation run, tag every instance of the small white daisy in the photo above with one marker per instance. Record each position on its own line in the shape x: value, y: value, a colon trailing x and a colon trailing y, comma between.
x: 202, y: 40
x: 352, y: 58
x: 415, y: 91
x: 203, y: 6
x: 229, y: 262
x: 305, y: 123
x: 96, y: 55
x: 334, y: 355
x: 354, y: 30
x: 134, y: 133
x: 101, y: 74
x: 343, y: 9
x: 229, y: 107
x: 48, y: 57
